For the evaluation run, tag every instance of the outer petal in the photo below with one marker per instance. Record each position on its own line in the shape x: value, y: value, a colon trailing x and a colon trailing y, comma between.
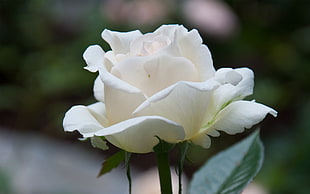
x: 99, y: 89
x: 121, y: 99
x: 138, y: 135
x: 185, y: 103
x: 86, y: 119
x: 240, y: 82
x: 93, y: 56
x: 240, y: 115
x: 120, y: 41
x: 235, y: 85
x: 213, y: 133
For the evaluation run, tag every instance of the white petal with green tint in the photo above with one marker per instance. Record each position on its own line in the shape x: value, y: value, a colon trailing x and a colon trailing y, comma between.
x: 240, y: 115
x: 202, y: 140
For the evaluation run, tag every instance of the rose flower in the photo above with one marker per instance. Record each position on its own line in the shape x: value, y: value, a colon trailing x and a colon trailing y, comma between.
x: 163, y: 84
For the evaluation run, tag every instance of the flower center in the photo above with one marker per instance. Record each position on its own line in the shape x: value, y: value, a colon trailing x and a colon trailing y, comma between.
x: 150, y: 44
x: 150, y: 48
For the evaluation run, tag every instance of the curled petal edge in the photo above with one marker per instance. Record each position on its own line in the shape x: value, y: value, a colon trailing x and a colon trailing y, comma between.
x: 116, y: 83
x: 94, y: 57
x: 240, y: 115
x: 120, y: 41
x: 85, y: 119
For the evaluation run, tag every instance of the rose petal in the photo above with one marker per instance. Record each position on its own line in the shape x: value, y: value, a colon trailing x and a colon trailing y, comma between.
x: 185, y: 103
x: 110, y: 80
x: 93, y: 56
x: 191, y: 47
x: 213, y: 133
x: 188, y: 45
x: 109, y: 60
x: 86, y: 119
x: 99, y: 89
x: 246, y: 85
x: 235, y: 85
x: 138, y: 135
x: 154, y: 73
x: 121, y: 98
x: 120, y: 41
x: 169, y: 30
x: 240, y: 80
x: 240, y: 115
x: 202, y: 140
x: 148, y: 44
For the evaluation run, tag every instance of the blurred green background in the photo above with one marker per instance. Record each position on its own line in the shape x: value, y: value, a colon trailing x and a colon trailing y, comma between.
x: 42, y: 75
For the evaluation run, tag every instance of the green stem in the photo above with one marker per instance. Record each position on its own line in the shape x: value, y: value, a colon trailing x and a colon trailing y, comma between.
x: 183, y: 147
x: 127, y: 164
x: 164, y: 172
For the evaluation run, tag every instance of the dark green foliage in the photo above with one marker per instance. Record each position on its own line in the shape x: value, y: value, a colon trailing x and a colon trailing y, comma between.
x: 112, y: 162
x: 231, y: 170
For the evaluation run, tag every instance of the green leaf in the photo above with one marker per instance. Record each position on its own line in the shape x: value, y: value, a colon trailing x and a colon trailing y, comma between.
x: 99, y: 142
x: 231, y: 170
x: 112, y: 162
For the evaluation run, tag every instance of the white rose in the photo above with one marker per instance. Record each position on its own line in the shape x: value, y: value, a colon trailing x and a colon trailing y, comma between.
x: 162, y: 84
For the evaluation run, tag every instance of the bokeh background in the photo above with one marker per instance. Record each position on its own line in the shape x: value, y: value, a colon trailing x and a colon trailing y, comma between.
x: 42, y: 76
